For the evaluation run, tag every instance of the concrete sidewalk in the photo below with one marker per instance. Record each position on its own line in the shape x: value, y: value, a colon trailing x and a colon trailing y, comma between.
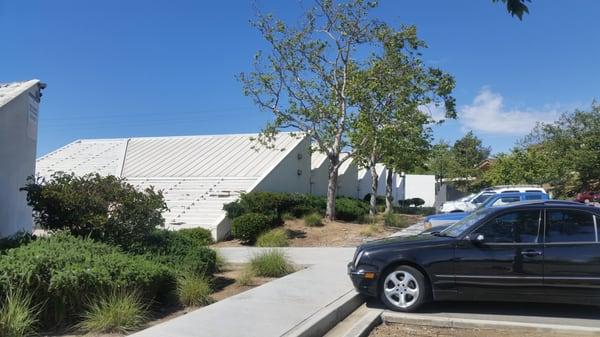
x: 277, y: 308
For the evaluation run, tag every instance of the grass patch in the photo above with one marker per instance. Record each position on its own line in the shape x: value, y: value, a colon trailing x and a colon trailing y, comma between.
x: 272, y: 263
x: 274, y: 238
x: 370, y: 230
x: 313, y: 220
x: 396, y: 220
x: 246, y: 277
x: 115, y: 312
x: 194, y: 290
x: 18, y: 315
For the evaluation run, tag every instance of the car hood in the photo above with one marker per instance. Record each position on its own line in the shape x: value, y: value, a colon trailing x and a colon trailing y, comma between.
x: 408, y: 241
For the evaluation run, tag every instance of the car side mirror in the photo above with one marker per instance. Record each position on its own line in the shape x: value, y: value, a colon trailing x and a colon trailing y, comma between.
x: 477, y: 238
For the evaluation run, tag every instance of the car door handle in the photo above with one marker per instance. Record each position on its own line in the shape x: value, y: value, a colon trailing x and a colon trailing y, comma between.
x: 531, y: 253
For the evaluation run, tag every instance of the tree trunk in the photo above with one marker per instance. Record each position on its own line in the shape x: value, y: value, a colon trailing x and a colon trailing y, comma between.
x: 374, y: 182
x: 389, y: 180
x: 332, y: 187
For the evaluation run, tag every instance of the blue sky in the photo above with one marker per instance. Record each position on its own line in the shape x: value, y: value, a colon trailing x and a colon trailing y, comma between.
x: 147, y: 68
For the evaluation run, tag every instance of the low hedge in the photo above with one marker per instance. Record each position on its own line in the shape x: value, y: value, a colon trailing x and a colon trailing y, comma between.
x: 415, y: 210
x: 275, y: 205
x: 185, y: 250
x: 62, y: 271
x: 249, y: 226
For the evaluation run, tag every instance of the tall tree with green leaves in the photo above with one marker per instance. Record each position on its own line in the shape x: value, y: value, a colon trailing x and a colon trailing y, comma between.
x: 441, y: 162
x: 516, y: 7
x: 391, y: 127
x: 468, y: 152
x: 304, y: 78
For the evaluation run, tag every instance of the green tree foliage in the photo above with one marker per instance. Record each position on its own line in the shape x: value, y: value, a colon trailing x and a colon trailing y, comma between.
x: 516, y: 7
x: 441, y: 162
x: 468, y: 152
x: 304, y: 80
x: 103, y: 208
x: 390, y: 92
x: 564, y: 154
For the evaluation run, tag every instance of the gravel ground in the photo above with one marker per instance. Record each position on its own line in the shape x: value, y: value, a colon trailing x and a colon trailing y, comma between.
x: 406, y: 330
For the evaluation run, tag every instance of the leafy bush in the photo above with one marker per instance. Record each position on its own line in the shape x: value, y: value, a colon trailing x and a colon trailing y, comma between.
x: 61, y: 270
x: 274, y: 238
x: 185, y: 250
x: 395, y: 220
x: 194, y: 290
x: 313, y: 220
x: 18, y: 314
x: 102, y: 208
x: 275, y: 204
x: 415, y: 210
x: 347, y: 209
x: 202, y: 236
x: 379, y: 200
x: 417, y: 202
x: 272, y: 263
x: 115, y: 311
x: 248, y: 227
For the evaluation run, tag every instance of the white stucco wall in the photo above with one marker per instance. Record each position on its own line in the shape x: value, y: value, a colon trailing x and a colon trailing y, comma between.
x: 348, y: 180
x: 420, y: 186
x: 18, y: 142
x: 404, y: 187
x: 292, y: 174
x: 318, y: 178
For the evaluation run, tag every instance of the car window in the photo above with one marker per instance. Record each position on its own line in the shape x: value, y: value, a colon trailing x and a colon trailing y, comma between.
x: 514, y: 227
x: 533, y: 197
x: 465, y: 223
x: 504, y: 201
x: 482, y: 198
x: 569, y: 226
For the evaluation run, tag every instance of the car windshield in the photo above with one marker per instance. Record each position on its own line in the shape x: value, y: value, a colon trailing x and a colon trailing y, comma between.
x: 481, y: 198
x: 459, y: 227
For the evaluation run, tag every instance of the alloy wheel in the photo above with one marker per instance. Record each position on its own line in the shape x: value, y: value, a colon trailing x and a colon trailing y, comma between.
x: 401, y: 289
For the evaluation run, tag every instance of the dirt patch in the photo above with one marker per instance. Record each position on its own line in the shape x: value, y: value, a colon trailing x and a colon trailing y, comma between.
x: 409, y: 330
x: 224, y: 284
x: 331, y: 233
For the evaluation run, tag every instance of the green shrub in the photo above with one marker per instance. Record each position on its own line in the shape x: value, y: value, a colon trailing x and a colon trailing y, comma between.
x: 15, y: 240
x: 202, y: 236
x: 395, y: 220
x: 194, y: 290
x: 115, y: 311
x: 379, y: 200
x: 348, y: 209
x: 185, y: 251
x: 248, y: 227
x: 313, y: 220
x: 275, y: 204
x: 272, y: 263
x: 18, y: 314
x: 415, y: 210
x: 274, y: 238
x: 61, y: 270
x: 106, y: 209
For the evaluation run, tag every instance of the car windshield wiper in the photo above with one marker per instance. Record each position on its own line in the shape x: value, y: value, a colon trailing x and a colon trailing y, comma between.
x: 441, y: 234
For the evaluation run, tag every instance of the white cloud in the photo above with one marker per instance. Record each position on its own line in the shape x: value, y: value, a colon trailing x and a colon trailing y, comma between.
x: 436, y: 112
x: 487, y: 114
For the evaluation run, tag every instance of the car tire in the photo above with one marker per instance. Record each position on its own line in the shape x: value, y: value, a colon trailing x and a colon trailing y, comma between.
x: 404, y: 289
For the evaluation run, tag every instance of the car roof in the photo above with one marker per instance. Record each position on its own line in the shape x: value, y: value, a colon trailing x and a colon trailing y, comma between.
x: 550, y: 203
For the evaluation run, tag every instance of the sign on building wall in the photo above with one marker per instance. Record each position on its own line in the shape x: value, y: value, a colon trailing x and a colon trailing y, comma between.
x: 32, y: 117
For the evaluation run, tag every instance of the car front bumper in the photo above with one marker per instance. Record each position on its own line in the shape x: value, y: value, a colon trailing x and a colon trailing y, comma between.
x: 365, y: 286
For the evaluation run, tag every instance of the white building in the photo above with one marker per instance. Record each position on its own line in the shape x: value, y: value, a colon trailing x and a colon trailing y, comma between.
x: 19, y: 108
x: 347, y: 176
x: 198, y: 174
x: 405, y: 186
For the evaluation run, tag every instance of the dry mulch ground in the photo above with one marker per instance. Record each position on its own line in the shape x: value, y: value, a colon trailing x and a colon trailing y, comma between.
x: 408, y: 330
x: 331, y: 234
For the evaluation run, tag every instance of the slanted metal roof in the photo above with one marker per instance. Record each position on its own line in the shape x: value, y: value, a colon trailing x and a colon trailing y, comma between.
x: 8, y: 91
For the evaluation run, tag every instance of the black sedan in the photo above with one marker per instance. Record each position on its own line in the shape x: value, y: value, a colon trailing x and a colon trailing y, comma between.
x: 545, y: 251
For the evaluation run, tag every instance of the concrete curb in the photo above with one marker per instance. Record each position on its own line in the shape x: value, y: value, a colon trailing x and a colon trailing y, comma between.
x: 325, y: 319
x: 366, y: 324
x: 447, y: 322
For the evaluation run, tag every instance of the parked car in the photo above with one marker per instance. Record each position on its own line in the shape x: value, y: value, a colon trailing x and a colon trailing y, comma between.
x: 588, y: 196
x: 439, y: 222
x: 483, y: 195
x: 537, y: 251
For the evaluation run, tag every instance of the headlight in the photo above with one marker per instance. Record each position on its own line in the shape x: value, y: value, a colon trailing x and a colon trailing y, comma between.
x: 358, y: 258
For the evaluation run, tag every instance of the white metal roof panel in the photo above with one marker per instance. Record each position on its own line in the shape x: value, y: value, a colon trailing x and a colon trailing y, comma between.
x: 204, y: 156
x: 9, y: 91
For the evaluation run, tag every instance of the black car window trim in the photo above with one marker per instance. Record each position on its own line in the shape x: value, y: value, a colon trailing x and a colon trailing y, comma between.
x: 499, y: 214
x: 593, y: 214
